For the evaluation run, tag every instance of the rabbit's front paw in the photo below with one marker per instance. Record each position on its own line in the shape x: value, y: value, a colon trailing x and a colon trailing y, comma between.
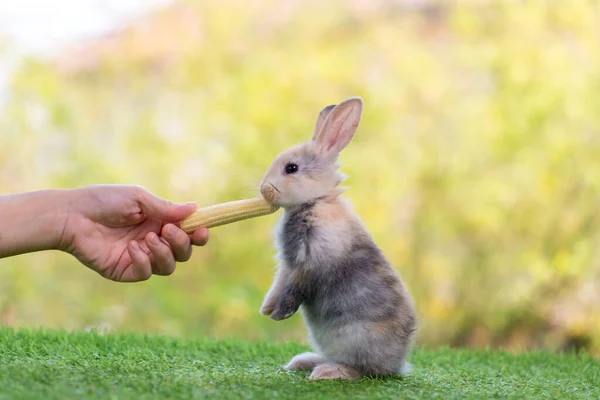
x: 281, y: 313
x: 267, y: 308
x: 285, y: 307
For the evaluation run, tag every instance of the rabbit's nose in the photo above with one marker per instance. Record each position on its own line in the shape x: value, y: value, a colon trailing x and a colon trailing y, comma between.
x: 268, y: 192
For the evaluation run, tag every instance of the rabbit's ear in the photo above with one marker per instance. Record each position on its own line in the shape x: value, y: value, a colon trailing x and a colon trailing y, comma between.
x: 339, y: 126
x: 321, y: 120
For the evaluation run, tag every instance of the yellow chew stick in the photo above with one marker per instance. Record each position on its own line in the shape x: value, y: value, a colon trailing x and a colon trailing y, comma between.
x: 226, y: 213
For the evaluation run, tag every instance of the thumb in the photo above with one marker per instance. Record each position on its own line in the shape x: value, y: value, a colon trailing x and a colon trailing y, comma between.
x: 165, y: 210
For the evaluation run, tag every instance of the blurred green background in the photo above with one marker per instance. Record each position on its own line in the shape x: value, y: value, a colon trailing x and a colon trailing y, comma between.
x: 476, y: 165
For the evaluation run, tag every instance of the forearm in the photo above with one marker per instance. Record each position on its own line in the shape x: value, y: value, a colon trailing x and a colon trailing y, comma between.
x: 32, y: 221
x: 281, y: 277
x: 276, y: 289
x: 292, y: 295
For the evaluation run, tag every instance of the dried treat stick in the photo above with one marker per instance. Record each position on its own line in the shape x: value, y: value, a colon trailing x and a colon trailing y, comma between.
x: 226, y: 213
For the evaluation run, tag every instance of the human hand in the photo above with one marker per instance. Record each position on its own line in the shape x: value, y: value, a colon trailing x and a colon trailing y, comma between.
x: 127, y: 234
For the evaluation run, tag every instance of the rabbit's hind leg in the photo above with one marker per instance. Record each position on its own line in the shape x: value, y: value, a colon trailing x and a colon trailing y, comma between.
x: 335, y: 371
x: 305, y: 361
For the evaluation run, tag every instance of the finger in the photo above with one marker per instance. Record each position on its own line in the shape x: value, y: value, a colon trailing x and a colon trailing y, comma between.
x: 200, y: 236
x: 179, y: 242
x: 164, y: 210
x: 164, y: 263
x: 141, y: 268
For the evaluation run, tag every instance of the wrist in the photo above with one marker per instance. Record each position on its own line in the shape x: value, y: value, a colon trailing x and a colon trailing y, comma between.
x: 66, y: 210
x: 51, y: 209
x: 70, y: 214
x: 33, y: 221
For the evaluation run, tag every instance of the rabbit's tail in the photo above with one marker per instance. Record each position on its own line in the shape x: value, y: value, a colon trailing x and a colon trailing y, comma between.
x: 406, y: 369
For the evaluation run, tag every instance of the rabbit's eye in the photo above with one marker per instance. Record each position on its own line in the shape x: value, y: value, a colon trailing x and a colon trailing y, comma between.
x: 291, y: 168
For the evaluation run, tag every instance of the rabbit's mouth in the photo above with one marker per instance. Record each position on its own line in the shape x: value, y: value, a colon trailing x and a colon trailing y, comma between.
x: 269, y: 192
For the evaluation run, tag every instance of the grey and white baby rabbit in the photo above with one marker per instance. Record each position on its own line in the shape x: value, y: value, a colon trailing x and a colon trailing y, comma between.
x: 360, y: 316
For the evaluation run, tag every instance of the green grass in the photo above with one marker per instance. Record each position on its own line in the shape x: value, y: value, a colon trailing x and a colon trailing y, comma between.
x: 53, y: 365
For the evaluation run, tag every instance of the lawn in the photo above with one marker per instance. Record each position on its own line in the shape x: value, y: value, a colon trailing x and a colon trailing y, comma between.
x: 59, y: 365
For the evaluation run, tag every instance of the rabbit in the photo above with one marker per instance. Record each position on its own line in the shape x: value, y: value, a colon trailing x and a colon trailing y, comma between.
x: 359, y: 314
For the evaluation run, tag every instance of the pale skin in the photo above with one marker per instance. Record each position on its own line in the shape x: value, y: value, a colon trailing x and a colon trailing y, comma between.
x: 122, y: 232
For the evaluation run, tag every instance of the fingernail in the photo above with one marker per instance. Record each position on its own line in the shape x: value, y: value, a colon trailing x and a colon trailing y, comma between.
x: 135, y: 246
x: 154, y: 239
x: 171, y: 231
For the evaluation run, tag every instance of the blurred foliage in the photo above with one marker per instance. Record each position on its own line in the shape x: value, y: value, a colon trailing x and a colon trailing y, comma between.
x: 476, y: 165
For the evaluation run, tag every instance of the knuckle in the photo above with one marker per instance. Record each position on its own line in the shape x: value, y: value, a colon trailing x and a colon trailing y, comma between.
x: 176, y: 234
x: 139, y: 192
x: 139, y: 188
x: 182, y: 243
x: 167, y: 233
x: 164, y: 255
